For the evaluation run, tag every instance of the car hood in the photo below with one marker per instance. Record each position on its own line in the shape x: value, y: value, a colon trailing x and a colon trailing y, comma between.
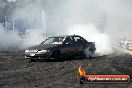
x: 42, y: 46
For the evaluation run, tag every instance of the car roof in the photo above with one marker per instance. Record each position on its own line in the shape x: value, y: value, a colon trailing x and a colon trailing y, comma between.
x: 64, y: 35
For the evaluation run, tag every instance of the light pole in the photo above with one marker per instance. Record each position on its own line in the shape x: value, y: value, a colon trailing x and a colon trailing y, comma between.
x: 44, y: 21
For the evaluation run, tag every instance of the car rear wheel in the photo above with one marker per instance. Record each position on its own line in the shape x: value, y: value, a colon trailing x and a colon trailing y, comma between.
x: 88, y: 53
x: 91, y: 53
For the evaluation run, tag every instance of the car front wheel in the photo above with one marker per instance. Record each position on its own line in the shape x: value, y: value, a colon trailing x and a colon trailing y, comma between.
x: 55, y: 55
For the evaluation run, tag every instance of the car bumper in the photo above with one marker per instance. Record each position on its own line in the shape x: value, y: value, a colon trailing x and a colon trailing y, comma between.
x: 37, y: 56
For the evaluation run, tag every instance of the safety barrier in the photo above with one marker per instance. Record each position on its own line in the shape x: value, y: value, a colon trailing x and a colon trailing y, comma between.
x: 129, y: 45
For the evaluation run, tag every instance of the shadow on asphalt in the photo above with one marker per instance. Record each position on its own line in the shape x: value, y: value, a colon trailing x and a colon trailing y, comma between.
x: 69, y: 59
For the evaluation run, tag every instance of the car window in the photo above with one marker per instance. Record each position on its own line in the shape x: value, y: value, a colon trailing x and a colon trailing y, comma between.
x: 84, y: 42
x: 77, y: 40
x: 69, y: 40
x: 54, y: 40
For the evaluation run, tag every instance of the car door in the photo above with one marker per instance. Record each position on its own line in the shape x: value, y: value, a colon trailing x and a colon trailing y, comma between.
x: 68, y: 47
x: 79, y: 44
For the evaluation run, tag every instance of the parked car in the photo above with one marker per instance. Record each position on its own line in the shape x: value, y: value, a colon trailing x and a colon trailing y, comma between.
x: 57, y: 47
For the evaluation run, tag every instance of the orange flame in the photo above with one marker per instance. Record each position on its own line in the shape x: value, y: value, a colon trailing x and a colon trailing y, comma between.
x: 81, y: 71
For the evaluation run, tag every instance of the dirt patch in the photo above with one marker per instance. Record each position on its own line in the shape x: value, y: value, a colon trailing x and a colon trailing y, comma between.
x: 16, y: 72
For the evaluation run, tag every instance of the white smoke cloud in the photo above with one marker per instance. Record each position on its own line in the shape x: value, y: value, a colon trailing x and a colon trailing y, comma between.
x: 92, y: 34
x: 11, y: 0
x: 30, y: 14
x: 9, y: 40
x: 34, y: 17
x: 34, y: 37
x: 111, y: 16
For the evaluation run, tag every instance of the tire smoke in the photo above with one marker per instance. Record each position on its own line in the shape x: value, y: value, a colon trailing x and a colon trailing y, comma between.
x: 9, y: 40
x: 92, y: 34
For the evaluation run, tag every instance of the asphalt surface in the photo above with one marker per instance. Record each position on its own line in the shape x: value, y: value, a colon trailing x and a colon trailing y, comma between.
x: 17, y: 72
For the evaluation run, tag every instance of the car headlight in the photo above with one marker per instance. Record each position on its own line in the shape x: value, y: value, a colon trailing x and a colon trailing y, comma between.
x: 42, y: 51
x: 26, y: 51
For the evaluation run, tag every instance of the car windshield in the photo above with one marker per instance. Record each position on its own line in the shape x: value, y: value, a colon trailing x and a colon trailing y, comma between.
x: 54, y: 40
